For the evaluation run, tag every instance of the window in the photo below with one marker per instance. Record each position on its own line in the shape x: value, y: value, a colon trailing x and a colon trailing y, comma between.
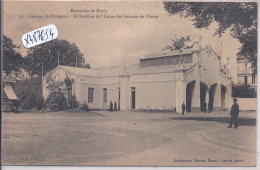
x: 176, y: 60
x: 69, y: 95
x: 105, y: 95
x: 187, y: 58
x: 90, y: 94
x: 169, y: 60
x: 133, y: 97
x: 144, y: 63
x: 245, y: 80
x: 152, y: 62
x: 165, y: 60
x: 239, y: 79
x: 160, y: 61
x: 253, y: 79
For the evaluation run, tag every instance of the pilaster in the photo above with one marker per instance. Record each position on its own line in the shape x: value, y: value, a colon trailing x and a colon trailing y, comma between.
x: 180, y: 88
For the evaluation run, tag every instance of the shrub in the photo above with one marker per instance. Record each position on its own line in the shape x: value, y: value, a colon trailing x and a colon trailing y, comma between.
x: 27, y: 91
x: 40, y: 102
x: 84, y: 107
x: 56, y: 101
x: 244, y: 91
x: 15, y: 105
x: 73, y: 103
x: 29, y: 102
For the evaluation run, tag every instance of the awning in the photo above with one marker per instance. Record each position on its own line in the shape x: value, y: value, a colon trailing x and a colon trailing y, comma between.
x: 10, y: 92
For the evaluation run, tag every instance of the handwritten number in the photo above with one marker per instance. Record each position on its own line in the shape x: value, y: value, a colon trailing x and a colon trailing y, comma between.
x: 26, y: 39
x: 34, y: 36
x: 31, y: 39
x: 38, y: 36
x: 46, y: 33
x: 51, y: 33
x: 42, y: 37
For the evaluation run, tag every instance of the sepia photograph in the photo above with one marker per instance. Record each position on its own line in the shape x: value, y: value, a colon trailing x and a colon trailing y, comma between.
x: 151, y: 83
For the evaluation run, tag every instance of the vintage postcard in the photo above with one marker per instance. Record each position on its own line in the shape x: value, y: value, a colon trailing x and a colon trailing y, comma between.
x: 156, y: 83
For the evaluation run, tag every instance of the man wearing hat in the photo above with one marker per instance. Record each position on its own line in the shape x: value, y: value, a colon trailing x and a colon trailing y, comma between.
x: 234, y: 114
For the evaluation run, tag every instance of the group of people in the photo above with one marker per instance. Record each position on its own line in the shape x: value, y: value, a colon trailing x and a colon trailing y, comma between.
x: 111, y: 108
x: 234, y: 112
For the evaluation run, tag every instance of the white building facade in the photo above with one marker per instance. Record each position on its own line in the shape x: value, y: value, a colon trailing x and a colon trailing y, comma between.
x: 159, y: 82
x: 244, y: 73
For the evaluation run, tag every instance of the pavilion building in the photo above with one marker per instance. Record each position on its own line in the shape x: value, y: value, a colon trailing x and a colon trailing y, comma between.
x: 158, y: 82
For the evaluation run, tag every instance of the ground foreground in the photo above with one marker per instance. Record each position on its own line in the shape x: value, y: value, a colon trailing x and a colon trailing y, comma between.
x: 128, y: 138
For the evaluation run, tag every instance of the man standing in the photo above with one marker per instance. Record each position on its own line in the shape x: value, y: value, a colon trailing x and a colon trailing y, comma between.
x: 234, y: 114
x: 115, y: 106
x: 183, y: 108
x: 205, y: 107
x: 111, y: 107
x: 209, y: 107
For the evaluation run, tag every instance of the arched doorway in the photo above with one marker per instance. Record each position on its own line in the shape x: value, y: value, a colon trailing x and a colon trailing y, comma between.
x: 223, y: 96
x: 189, y: 93
x: 212, y: 92
x: 203, y: 92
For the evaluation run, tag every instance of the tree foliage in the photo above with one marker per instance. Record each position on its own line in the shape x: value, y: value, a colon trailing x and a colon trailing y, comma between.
x: 240, y: 18
x: 244, y: 91
x: 12, y: 60
x: 28, y: 92
x: 56, y: 101
x: 84, y: 107
x: 47, y: 54
x: 180, y: 43
x: 73, y: 103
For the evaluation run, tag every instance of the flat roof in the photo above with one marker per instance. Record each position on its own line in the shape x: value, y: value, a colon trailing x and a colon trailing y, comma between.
x: 166, y: 54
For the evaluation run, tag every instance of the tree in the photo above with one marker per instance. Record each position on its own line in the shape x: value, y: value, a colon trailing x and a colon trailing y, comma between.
x: 12, y: 60
x: 240, y: 18
x: 47, y: 55
x: 29, y: 92
x: 181, y: 43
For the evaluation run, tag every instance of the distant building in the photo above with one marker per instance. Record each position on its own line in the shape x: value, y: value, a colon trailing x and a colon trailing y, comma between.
x: 8, y: 94
x: 244, y: 73
x: 159, y: 82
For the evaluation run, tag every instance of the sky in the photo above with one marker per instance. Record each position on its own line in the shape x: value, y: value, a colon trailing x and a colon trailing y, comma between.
x: 110, y: 41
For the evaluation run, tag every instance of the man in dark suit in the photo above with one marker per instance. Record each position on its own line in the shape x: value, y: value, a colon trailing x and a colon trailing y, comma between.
x: 111, y: 106
x: 115, y: 106
x: 205, y: 107
x: 183, y: 108
x: 234, y: 112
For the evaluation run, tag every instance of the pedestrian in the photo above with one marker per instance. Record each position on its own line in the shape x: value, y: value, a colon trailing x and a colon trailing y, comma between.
x: 205, y: 107
x: 183, y: 108
x: 209, y: 107
x: 111, y: 107
x: 234, y: 112
x: 115, y: 106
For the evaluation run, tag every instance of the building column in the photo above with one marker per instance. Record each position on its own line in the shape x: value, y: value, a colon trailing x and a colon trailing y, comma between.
x: 217, y: 99
x: 207, y: 98
x: 195, y: 104
x: 180, y: 88
x: 228, y: 97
